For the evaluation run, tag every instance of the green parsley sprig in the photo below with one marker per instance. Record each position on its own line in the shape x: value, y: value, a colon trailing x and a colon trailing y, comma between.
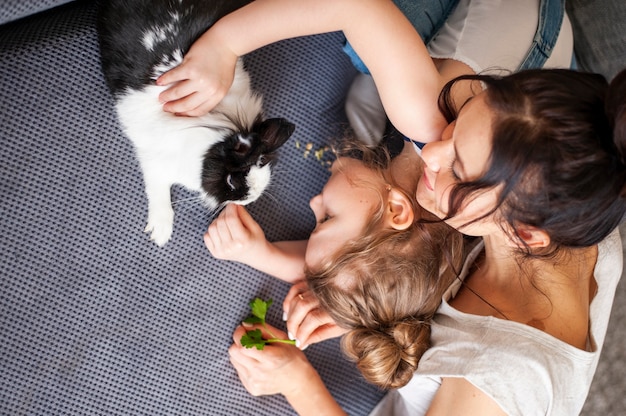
x: 254, y: 338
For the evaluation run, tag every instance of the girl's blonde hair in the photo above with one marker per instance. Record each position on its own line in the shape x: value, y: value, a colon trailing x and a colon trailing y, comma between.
x: 385, y: 286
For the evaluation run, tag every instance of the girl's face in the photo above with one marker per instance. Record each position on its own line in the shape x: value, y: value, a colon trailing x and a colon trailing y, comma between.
x: 343, y: 208
x: 462, y: 155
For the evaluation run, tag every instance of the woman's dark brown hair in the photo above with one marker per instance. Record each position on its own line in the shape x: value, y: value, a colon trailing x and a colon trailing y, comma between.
x: 557, y: 151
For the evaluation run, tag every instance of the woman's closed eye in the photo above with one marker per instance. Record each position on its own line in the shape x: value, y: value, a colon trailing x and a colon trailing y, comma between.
x: 324, y: 219
x: 454, y: 174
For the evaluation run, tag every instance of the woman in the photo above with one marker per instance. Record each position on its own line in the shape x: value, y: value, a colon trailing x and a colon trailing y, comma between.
x: 545, y: 194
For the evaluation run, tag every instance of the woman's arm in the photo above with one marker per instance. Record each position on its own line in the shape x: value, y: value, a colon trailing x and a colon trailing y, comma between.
x: 405, y: 75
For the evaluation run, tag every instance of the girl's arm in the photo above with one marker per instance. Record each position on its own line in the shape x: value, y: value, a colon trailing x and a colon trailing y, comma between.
x: 289, y: 258
x: 385, y: 40
x: 284, y: 369
x: 236, y: 236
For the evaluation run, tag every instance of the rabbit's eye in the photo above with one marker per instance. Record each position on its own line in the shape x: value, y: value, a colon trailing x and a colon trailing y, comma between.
x: 229, y: 181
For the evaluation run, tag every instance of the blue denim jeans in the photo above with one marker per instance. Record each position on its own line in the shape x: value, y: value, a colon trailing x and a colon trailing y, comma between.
x: 551, y: 14
x: 427, y: 16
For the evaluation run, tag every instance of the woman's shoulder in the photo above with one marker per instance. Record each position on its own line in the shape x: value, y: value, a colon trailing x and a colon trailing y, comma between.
x: 610, y: 257
x: 487, y: 351
x: 608, y: 272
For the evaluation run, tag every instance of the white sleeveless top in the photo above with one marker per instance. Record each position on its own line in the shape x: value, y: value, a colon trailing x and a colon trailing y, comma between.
x: 525, y: 370
x: 490, y: 36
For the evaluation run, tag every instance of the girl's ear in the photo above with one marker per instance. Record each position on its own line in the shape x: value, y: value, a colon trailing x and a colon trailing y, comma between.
x: 399, y: 214
x: 533, y: 237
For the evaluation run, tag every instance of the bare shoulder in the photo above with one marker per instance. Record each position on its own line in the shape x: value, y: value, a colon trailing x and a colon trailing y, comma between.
x: 457, y: 396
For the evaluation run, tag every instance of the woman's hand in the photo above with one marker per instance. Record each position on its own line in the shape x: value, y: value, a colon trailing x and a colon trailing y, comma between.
x: 278, y: 368
x: 235, y: 235
x: 200, y: 82
x: 307, y: 323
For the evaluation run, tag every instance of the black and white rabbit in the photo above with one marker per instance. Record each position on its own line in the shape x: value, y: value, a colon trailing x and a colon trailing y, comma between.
x: 226, y: 155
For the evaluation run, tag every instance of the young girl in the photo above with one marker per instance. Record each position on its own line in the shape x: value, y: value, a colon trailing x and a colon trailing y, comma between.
x: 373, y: 245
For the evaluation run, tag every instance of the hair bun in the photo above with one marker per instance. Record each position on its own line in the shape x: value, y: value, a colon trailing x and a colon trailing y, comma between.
x: 388, y: 357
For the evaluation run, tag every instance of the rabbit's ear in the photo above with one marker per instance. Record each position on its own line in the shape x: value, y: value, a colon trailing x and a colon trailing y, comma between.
x: 242, y: 145
x: 274, y: 132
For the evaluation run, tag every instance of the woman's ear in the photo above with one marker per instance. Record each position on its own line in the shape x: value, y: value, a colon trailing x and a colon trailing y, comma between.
x: 533, y: 237
x: 399, y: 214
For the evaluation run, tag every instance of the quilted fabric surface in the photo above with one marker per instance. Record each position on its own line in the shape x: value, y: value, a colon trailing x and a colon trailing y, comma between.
x: 95, y: 318
x: 16, y: 9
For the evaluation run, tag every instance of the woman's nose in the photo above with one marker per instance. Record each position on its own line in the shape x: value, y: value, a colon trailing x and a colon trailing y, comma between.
x: 431, y: 154
x: 435, y: 154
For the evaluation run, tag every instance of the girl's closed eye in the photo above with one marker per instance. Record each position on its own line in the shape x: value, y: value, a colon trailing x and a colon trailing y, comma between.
x: 324, y: 219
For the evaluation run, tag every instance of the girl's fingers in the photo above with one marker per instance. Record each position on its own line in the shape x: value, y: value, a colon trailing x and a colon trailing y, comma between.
x: 236, y: 227
x: 316, y: 328
x: 306, y: 321
x: 246, y: 368
x: 302, y: 328
x: 238, y: 354
x: 301, y: 306
x: 208, y: 242
x: 221, y: 227
x: 189, y: 98
x: 246, y: 219
x: 294, y: 292
x: 212, y: 239
x: 267, y: 330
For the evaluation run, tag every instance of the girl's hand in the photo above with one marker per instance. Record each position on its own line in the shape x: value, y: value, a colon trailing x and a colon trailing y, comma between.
x: 278, y: 368
x: 200, y: 82
x: 307, y: 323
x: 236, y: 236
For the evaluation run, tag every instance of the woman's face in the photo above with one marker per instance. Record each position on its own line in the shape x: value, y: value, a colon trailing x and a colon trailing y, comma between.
x: 461, y: 156
x: 343, y: 208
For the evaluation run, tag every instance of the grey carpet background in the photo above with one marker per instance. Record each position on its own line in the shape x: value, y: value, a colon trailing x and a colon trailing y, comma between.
x: 96, y: 319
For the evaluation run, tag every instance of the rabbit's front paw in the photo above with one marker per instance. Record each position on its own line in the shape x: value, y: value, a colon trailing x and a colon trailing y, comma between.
x: 160, y: 226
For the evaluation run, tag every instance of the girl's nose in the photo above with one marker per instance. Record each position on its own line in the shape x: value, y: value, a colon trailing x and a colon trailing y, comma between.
x: 316, y: 203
